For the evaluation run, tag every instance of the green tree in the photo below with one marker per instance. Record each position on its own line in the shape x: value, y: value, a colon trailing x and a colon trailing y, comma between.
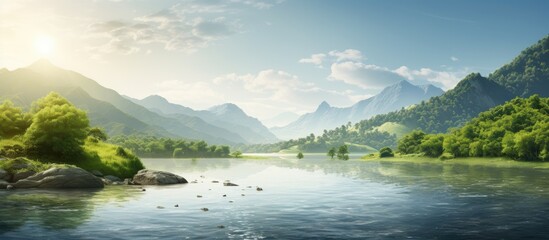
x: 300, y: 155
x: 410, y: 142
x: 177, y: 153
x: 58, y: 129
x: 97, y: 133
x: 431, y: 145
x: 332, y: 152
x: 342, y: 152
x: 236, y: 154
x: 12, y: 120
x: 386, y: 152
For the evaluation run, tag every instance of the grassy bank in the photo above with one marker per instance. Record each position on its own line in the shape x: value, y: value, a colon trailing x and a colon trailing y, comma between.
x: 474, y: 161
x: 107, y: 158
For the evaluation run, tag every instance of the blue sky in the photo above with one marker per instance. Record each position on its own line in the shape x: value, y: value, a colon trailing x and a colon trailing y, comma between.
x: 269, y: 57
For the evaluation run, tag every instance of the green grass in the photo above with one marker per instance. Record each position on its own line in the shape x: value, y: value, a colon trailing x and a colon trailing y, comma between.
x: 353, y: 147
x: 109, y: 160
x: 11, y: 165
x: 100, y: 156
x: 394, y: 128
x: 473, y: 161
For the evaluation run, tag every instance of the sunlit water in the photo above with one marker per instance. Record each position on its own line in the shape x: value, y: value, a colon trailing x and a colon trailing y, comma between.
x: 312, y: 198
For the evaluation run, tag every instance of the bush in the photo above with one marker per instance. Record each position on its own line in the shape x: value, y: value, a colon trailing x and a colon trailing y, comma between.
x: 58, y: 129
x: 300, y: 155
x: 386, y: 152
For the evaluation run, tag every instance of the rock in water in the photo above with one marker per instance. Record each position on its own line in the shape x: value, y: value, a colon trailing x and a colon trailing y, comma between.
x: 71, y: 177
x: 152, y: 177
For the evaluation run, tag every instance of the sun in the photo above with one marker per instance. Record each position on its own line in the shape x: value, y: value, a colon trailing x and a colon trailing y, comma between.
x: 44, y: 45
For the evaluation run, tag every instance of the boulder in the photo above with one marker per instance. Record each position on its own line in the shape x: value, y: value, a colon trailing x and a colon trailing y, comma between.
x: 113, y: 178
x: 152, y: 177
x: 70, y: 177
x: 96, y: 173
x: 22, y: 175
x: 3, y: 184
x: 4, y: 175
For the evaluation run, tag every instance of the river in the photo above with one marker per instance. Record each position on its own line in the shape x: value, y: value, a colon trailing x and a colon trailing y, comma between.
x: 311, y: 198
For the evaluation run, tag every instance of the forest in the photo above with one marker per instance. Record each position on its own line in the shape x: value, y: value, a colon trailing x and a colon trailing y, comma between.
x: 518, y: 129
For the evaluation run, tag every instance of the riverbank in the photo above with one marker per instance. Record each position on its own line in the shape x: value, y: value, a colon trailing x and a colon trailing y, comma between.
x: 476, y: 161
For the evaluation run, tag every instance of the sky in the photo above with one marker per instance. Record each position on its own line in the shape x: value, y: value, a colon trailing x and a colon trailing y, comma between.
x: 268, y: 57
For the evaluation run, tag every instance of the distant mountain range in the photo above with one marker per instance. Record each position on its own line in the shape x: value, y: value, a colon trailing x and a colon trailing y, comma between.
x: 526, y: 75
x: 394, y: 97
x: 225, y: 124
x: 226, y: 116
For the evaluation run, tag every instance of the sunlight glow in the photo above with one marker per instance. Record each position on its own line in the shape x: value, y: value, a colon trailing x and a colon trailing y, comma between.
x: 44, y: 45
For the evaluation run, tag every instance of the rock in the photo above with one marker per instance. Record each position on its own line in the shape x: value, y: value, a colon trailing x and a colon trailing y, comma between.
x: 198, y: 196
x: 220, y: 226
x: 160, y: 207
x: 70, y: 177
x: 128, y: 181
x: 106, y: 181
x: 259, y: 189
x: 215, y: 181
x: 9, y: 187
x: 224, y: 195
x: 4, y: 175
x: 3, y: 184
x: 22, y: 175
x: 143, y: 190
x: 229, y: 184
x: 152, y: 177
x: 113, y: 178
x: 176, y: 205
x: 205, y: 209
x: 96, y: 173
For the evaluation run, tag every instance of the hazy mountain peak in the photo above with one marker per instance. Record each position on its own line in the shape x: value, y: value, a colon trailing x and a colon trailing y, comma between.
x: 155, y: 98
x: 323, y: 106
x: 226, y: 108
x: 42, y: 64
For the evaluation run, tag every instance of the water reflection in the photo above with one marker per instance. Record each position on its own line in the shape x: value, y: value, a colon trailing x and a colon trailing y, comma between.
x: 56, y: 209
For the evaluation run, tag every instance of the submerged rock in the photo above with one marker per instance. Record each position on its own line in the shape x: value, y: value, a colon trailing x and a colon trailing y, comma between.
x: 152, y: 177
x: 227, y: 183
x: 70, y: 177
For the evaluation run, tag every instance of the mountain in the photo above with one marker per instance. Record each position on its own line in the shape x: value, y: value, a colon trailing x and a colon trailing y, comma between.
x: 105, y: 107
x: 227, y: 117
x: 281, y: 119
x: 526, y: 75
x: 394, y: 97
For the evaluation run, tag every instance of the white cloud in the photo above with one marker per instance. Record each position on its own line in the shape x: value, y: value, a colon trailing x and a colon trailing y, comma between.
x: 454, y: 59
x: 262, y: 94
x: 362, y: 75
x: 447, y: 79
x: 186, y: 26
x: 315, y: 59
x: 346, y: 55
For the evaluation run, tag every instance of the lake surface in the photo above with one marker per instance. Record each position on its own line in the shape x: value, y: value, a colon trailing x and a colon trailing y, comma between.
x: 312, y: 198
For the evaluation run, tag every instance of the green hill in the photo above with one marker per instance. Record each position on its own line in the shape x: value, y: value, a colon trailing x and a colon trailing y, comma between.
x: 518, y: 129
x: 527, y: 74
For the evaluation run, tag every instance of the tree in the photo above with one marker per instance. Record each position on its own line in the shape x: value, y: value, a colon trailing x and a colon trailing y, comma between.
x: 177, y: 153
x: 342, y: 152
x: 12, y: 120
x: 332, y: 152
x: 431, y: 145
x: 58, y: 129
x: 410, y: 143
x: 97, y: 133
x: 300, y: 155
x: 386, y: 152
x: 236, y: 154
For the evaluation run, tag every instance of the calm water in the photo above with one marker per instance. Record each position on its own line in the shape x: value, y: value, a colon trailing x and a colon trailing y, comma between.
x: 312, y: 198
